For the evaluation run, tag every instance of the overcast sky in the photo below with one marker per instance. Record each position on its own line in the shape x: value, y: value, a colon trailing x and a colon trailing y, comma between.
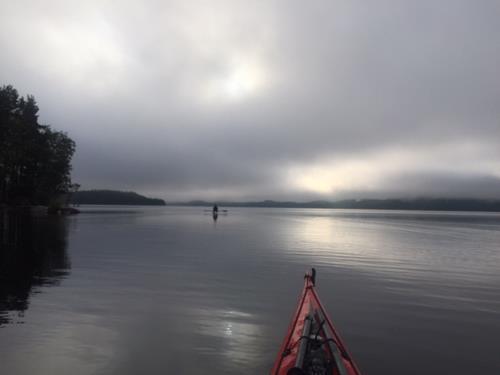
x: 266, y: 99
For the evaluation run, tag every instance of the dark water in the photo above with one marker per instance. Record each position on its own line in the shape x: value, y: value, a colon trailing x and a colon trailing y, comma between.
x: 168, y: 291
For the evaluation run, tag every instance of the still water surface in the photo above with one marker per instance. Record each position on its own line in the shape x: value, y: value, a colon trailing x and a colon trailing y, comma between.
x: 166, y: 290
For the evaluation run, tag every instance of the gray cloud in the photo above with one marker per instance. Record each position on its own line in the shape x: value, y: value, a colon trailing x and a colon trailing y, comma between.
x: 187, y: 99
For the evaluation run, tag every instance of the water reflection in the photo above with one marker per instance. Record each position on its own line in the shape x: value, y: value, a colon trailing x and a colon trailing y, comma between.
x: 32, y: 254
x: 416, y: 244
x: 159, y: 291
x: 235, y: 331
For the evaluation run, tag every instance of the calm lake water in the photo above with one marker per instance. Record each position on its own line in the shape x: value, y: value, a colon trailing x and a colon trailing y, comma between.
x: 166, y: 290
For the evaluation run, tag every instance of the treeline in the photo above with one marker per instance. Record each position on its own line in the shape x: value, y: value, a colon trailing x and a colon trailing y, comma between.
x: 427, y: 204
x: 113, y: 197
x: 35, y: 161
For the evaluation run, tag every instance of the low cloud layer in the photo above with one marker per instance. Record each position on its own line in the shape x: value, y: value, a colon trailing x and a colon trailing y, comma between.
x: 255, y: 100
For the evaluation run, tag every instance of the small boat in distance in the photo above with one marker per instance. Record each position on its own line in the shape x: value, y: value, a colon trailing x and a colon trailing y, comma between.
x: 220, y: 212
x: 312, y: 346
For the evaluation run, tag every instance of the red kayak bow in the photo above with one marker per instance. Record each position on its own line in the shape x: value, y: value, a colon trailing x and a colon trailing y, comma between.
x: 312, y: 345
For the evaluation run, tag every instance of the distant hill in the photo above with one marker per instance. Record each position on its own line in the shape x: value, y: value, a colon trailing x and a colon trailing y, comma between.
x: 114, y: 197
x: 430, y: 204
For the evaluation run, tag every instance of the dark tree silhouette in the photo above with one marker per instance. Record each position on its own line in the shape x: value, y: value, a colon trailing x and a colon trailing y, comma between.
x: 35, y: 161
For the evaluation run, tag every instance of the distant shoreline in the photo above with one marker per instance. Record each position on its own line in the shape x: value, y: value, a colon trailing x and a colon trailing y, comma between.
x: 419, y: 204
x: 114, y: 197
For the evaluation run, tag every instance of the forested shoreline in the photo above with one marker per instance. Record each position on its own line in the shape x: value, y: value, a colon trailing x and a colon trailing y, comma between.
x: 114, y: 197
x: 35, y: 160
x: 419, y: 204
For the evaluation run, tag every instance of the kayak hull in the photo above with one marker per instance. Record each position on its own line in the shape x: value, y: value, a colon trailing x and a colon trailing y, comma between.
x: 312, y: 344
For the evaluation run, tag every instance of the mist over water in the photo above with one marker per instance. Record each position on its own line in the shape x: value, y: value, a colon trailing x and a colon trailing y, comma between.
x: 120, y: 290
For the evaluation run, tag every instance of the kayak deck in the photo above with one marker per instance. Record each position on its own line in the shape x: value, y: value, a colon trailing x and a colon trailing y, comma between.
x: 312, y: 346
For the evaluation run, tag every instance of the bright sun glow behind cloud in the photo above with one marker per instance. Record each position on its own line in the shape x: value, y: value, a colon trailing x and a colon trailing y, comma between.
x: 331, y: 177
x: 371, y: 172
x: 243, y: 79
